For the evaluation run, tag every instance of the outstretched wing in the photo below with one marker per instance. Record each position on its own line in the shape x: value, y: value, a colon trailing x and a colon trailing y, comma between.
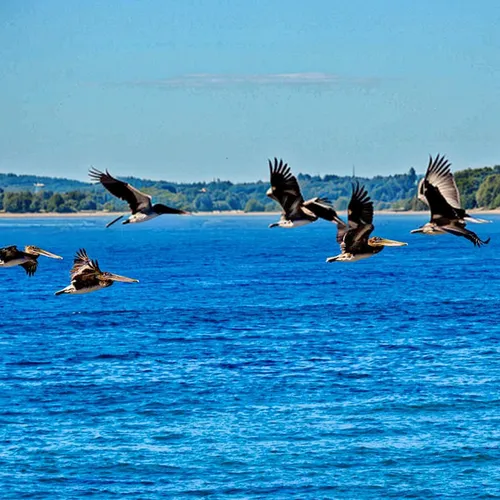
x: 7, y: 253
x: 83, y: 265
x: 458, y: 229
x: 360, y: 219
x: 284, y: 186
x: 136, y: 200
x: 321, y: 207
x: 439, y: 191
x: 30, y: 267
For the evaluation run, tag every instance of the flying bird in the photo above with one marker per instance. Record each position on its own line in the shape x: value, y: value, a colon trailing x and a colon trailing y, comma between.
x: 439, y: 191
x: 140, y: 204
x: 28, y: 259
x: 353, y: 238
x: 86, y: 276
x: 296, y: 212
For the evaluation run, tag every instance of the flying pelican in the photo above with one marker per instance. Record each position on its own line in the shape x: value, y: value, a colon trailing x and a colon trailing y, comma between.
x: 28, y: 259
x: 86, y: 276
x: 296, y: 212
x: 439, y: 192
x: 353, y: 238
x: 140, y: 204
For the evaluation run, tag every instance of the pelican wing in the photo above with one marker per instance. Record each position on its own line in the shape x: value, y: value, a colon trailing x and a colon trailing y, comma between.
x: 83, y: 265
x: 8, y: 253
x: 458, y: 229
x: 284, y: 186
x: 321, y: 207
x: 30, y: 267
x: 439, y: 175
x: 136, y: 200
x: 360, y: 218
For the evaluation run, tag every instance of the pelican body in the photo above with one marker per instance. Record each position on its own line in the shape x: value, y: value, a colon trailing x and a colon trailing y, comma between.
x: 353, y: 238
x: 296, y: 212
x: 439, y: 191
x: 28, y: 259
x: 140, y: 204
x: 87, y: 277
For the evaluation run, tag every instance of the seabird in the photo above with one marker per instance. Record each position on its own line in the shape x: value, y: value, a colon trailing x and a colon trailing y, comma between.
x: 296, y: 212
x: 140, y: 204
x: 28, y: 259
x: 438, y: 190
x: 86, y: 276
x: 353, y: 238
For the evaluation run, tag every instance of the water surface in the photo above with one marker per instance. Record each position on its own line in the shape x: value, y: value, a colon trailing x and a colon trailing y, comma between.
x: 244, y: 366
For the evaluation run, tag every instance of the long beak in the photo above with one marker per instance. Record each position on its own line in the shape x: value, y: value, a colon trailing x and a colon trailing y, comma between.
x: 123, y: 279
x: 419, y: 230
x: 391, y: 243
x: 114, y: 220
x: 48, y: 254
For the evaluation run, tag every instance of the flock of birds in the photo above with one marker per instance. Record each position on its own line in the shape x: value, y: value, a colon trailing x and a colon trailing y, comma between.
x: 437, y: 189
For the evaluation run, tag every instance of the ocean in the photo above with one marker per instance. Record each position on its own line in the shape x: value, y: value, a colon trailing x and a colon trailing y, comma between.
x: 244, y: 366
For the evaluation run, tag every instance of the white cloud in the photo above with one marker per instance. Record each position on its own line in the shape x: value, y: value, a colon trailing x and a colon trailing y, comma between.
x: 199, y: 80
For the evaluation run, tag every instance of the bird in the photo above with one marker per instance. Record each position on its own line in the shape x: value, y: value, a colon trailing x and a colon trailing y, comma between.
x: 353, y: 238
x: 439, y: 191
x: 296, y: 212
x: 86, y: 276
x: 140, y: 204
x: 28, y: 259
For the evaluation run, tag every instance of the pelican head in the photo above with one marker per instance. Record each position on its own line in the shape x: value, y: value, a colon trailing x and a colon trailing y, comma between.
x: 116, y: 277
x: 377, y: 241
x: 33, y: 250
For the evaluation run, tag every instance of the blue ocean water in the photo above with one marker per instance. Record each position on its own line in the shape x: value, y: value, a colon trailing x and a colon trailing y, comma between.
x: 244, y: 366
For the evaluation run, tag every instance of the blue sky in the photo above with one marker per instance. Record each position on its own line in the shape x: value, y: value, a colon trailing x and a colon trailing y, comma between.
x: 197, y: 89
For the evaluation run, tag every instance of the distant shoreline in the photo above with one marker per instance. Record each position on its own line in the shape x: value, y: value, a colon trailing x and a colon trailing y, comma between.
x: 28, y: 215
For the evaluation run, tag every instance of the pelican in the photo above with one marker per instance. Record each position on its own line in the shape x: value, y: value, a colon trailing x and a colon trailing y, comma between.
x: 296, y: 212
x: 86, y: 276
x: 28, y: 259
x: 353, y: 238
x: 439, y: 192
x: 140, y: 204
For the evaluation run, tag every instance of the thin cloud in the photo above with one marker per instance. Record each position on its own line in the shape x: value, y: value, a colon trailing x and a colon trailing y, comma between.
x: 202, y: 80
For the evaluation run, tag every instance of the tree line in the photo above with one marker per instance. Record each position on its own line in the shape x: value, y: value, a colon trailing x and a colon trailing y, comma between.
x: 31, y: 194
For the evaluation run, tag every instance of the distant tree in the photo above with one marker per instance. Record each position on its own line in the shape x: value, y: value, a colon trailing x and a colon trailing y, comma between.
x: 488, y: 194
x: 254, y: 205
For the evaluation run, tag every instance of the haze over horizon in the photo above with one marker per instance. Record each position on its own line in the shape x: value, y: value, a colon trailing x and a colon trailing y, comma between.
x: 199, y: 90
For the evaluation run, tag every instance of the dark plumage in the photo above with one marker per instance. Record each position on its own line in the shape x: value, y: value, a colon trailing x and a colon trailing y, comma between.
x: 28, y: 259
x: 140, y: 204
x: 86, y: 276
x: 439, y: 192
x: 296, y: 212
x: 353, y: 238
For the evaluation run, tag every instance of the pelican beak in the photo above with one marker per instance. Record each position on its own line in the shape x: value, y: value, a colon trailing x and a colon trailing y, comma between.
x: 383, y: 242
x: 123, y: 279
x: 419, y: 230
x: 274, y: 224
x: 48, y: 254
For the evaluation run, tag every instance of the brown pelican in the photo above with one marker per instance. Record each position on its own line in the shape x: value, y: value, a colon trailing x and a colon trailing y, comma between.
x: 439, y: 192
x: 353, y: 238
x: 28, y: 259
x: 140, y: 204
x: 296, y: 212
x: 86, y: 276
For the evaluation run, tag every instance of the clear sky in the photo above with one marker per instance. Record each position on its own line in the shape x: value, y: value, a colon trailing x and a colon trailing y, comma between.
x: 196, y: 89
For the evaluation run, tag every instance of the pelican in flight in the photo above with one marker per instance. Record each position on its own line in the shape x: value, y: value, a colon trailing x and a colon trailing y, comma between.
x: 28, y: 259
x: 353, y: 238
x: 296, y: 212
x: 140, y: 204
x: 439, y: 192
x: 87, y: 277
